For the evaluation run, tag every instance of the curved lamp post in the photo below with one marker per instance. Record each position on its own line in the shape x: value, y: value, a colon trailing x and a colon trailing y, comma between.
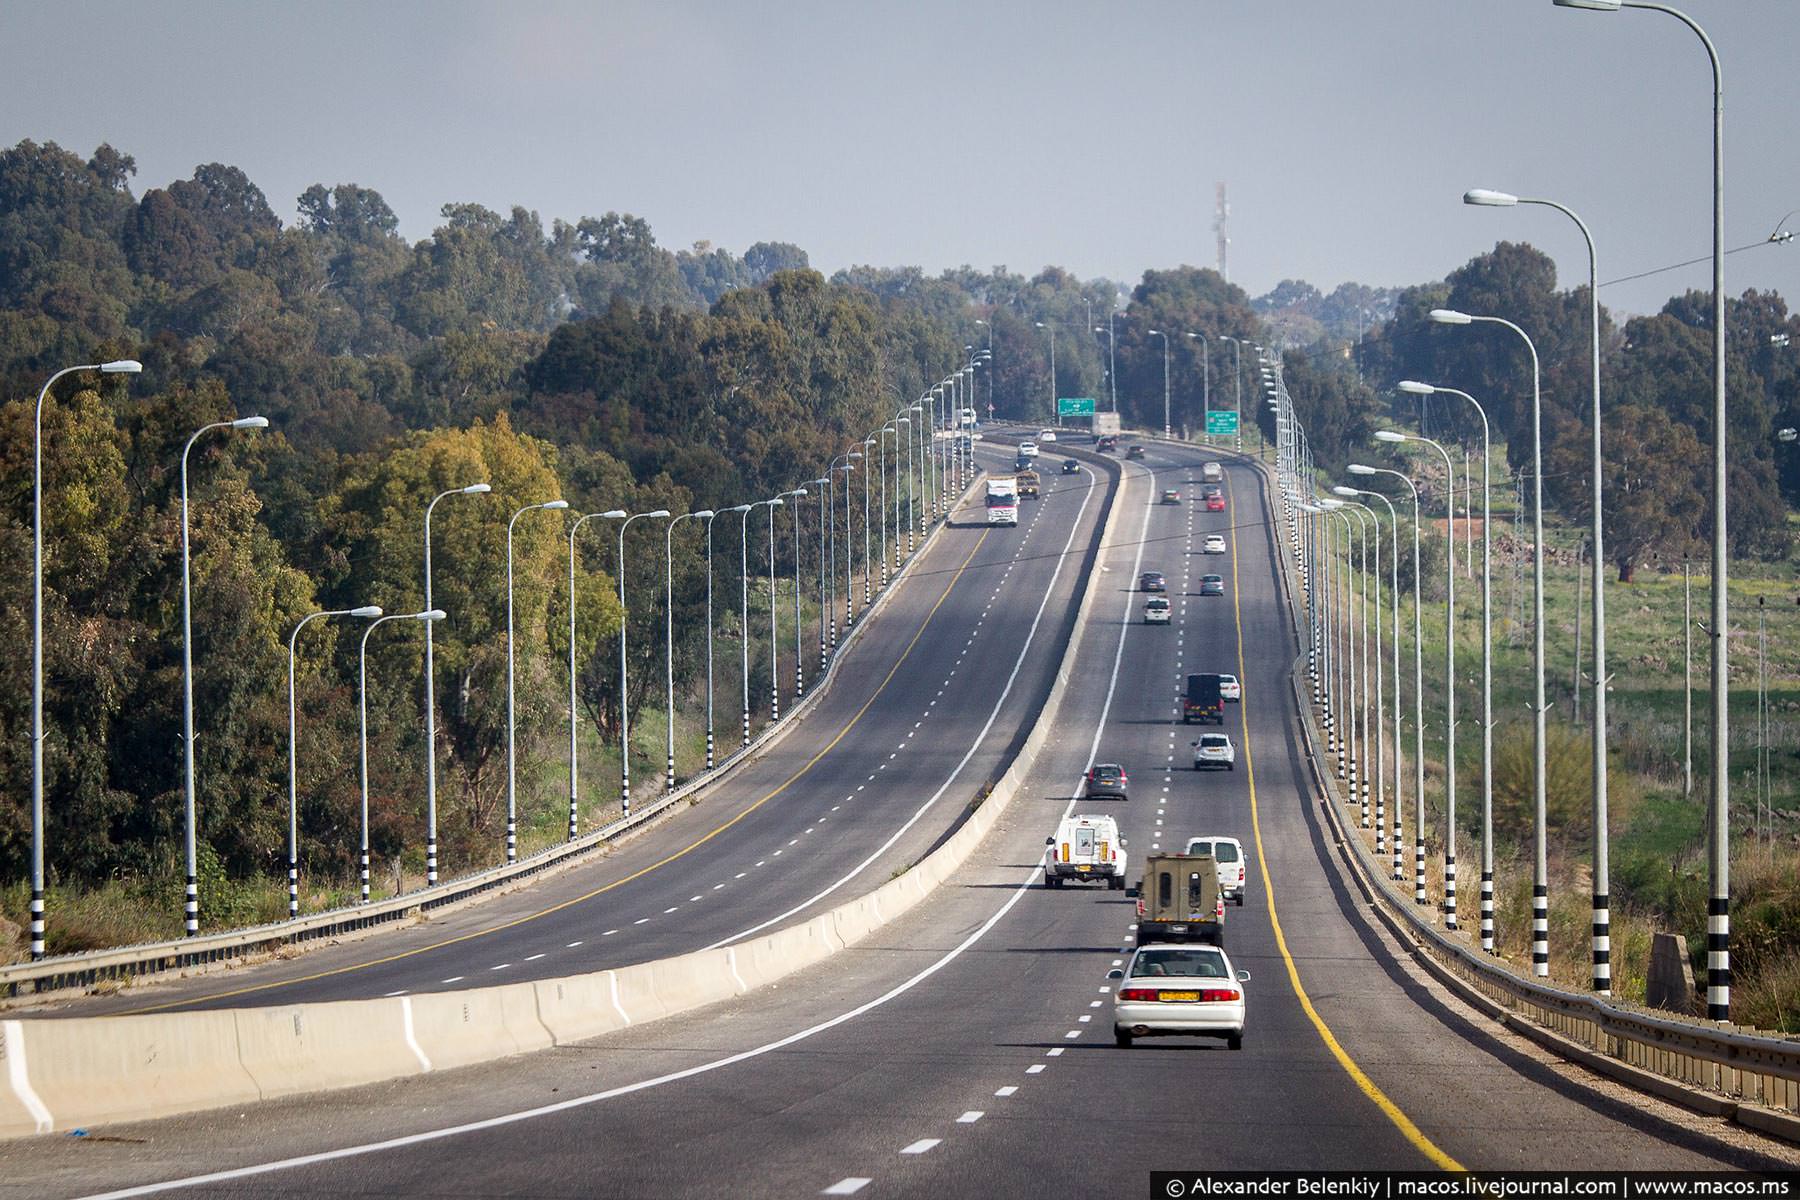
x: 366, y: 612
x: 123, y: 366
x: 431, y: 844
x: 1165, y: 340
x: 362, y: 713
x: 1394, y: 588
x: 1205, y: 384
x: 512, y: 808
x: 1374, y: 580
x: 624, y: 693
x: 574, y: 791
x: 191, y: 915
x: 709, y: 631
x: 744, y: 596
x: 704, y: 514
x: 799, y: 656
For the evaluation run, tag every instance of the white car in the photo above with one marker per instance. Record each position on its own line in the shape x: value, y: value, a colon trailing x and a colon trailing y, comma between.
x: 1214, y: 544
x: 1228, y: 856
x: 1169, y: 991
x: 1215, y: 750
x: 1156, y: 610
x: 1086, y: 846
x: 1047, y: 435
x: 1028, y: 450
x: 1229, y: 688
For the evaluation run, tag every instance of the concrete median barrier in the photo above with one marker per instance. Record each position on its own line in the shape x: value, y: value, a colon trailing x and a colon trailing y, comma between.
x: 94, y: 1070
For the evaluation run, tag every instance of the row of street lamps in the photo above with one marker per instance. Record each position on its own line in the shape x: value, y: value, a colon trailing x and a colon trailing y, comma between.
x: 1237, y: 346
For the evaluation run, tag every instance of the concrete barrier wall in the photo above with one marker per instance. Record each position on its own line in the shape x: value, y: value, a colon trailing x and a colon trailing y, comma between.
x: 94, y: 1070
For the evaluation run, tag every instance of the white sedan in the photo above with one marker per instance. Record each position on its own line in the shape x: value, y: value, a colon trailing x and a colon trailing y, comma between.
x: 1179, y: 990
x: 1028, y: 450
x: 1215, y: 750
x: 1047, y: 435
x: 1229, y: 688
x: 1214, y: 544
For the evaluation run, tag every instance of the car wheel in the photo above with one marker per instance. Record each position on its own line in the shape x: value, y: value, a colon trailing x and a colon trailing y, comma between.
x: 1122, y: 1038
x: 1235, y: 1042
x: 1231, y: 766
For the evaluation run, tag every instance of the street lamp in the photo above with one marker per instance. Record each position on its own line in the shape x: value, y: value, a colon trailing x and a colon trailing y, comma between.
x: 799, y: 656
x: 744, y: 595
x: 431, y: 855
x: 1602, y: 917
x: 1394, y: 588
x: 869, y: 443
x: 1718, y: 921
x: 512, y: 809
x: 1237, y: 375
x: 123, y: 366
x: 1540, y: 885
x: 362, y: 710
x: 1449, y: 671
x: 1418, y: 698
x: 736, y: 508
x: 1054, y: 406
x: 1165, y: 340
x: 624, y: 695
x: 1380, y: 767
x: 704, y: 514
x: 1205, y: 383
x: 887, y: 510
x: 1112, y: 362
x: 367, y: 612
x: 1487, y: 664
x: 192, y: 901
x: 824, y: 520
x: 574, y: 791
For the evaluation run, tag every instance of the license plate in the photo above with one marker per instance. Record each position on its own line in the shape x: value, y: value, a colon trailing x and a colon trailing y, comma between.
x: 1178, y: 929
x: 1084, y: 868
x: 1189, y: 996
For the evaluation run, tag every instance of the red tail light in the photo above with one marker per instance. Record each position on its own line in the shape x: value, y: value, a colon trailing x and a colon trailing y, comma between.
x: 1140, y: 994
x: 1219, y: 995
x: 1140, y: 908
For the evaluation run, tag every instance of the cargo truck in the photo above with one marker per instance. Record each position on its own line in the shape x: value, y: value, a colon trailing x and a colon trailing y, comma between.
x: 1204, y: 700
x: 1003, y: 501
x: 1028, y: 484
x: 1179, y: 900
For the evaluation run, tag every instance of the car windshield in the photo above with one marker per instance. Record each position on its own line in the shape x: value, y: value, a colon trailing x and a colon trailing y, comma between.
x: 1195, y: 963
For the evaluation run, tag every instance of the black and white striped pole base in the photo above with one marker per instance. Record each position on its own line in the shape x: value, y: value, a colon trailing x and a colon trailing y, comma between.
x: 834, y: 634
x: 512, y: 840
x: 191, y: 906
x: 431, y: 877
x: 293, y: 889
x: 1419, y: 871
x: 709, y: 761
x: 1487, y: 911
x: 1399, y: 851
x: 746, y: 724
x: 37, y: 924
x: 1602, y: 944
x: 575, y: 809
x: 1540, y: 931
x: 822, y: 658
x: 669, y: 777
x: 1718, y: 958
x: 1449, y: 891
x: 365, y: 877
x: 775, y: 705
x: 625, y: 792
x: 799, y: 680
x: 1381, y: 824
x: 1365, y: 807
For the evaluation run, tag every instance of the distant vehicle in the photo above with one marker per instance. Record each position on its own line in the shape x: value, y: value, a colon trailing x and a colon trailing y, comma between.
x: 1212, y: 472
x: 1028, y: 482
x: 1229, y: 688
x: 1214, y: 544
x: 1156, y: 610
x: 1215, y: 504
x: 1107, y: 779
x: 1228, y: 852
x: 1152, y: 581
x: 1171, y: 991
x: 1021, y: 463
x: 1046, y: 435
x: 1085, y: 846
x: 1179, y: 900
x: 1028, y: 450
x: 1107, y: 443
x: 1214, y: 750
x: 1210, y: 490
x: 1071, y: 467
x: 1135, y: 452
x: 1212, y: 585
x: 969, y: 419
x: 1003, y: 501
x: 1204, y: 700
x: 1171, y: 496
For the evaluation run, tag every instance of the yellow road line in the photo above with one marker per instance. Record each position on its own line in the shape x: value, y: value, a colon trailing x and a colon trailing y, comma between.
x: 1389, y: 1109
x: 586, y: 896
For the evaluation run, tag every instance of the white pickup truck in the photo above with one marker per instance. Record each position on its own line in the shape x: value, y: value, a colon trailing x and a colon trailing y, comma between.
x: 1085, y: 847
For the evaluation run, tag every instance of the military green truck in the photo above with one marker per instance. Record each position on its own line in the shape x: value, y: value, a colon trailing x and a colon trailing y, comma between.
x: 1029, y: 483
x: 1179, y: 900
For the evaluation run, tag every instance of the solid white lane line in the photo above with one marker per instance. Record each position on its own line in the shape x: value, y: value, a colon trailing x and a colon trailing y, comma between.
x: 920, y: 1146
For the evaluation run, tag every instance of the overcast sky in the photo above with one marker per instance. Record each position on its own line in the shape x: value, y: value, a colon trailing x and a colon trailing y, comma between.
x: 941, y: 132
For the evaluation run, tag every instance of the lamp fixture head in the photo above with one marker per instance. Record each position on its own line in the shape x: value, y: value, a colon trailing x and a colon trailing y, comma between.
x: 1489, y: 198
x: 614, y: 514
x: 1388, y: 435
x: 1413, y: 387
x: 367, y: 610
x: 250, y: 423
x: 1449, y: 316
x: 1345, y: 490
x: 122, y: 366
x: 1360, y: 469
x: 477, y: 489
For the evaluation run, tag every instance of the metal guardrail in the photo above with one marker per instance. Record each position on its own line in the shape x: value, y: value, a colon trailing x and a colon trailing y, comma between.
x: 153, y: 958
x: 1750, y: 1066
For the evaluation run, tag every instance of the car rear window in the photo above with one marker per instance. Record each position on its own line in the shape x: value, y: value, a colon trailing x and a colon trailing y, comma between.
x: 1214, y: 741
x: 1200, y: 848
x: 1225, y: 852
x: 1193, y: 964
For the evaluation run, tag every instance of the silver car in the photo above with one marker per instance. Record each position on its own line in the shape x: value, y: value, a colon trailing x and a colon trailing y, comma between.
x: 1179, y: 990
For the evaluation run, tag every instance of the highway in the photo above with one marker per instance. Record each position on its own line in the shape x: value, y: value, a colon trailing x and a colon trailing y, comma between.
x: 929, y: 704
x: 966, y: 1050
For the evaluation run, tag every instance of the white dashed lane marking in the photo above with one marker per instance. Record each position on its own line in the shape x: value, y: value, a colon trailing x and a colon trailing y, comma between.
x: 970, y: 1117
x: 846, y: 1187
x: 920, y: 1146
x: 1008, y: 1090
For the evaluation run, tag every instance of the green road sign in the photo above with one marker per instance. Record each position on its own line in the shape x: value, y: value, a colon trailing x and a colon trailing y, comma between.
x: 1081, y: 406
x: 1221, y: 422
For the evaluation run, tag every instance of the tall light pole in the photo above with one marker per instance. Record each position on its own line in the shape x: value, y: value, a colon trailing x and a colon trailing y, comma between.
x: 744, y: 597
x: 431, y: 844
x: 1165, y: 339
x: 1540, y: 884
x: 1112, y: 374
x: 191, y: 904
x: 362, y: 711
x: 887, y: 510
x: 911, y: 468
x: 1487, y: 663
x: 1055, y: 408
x: 512, y: 803
x: 367, y: 612
x: 1374, y: 580
x: 1602, y: 903
x: 774, y: 633
x: 1449, y: 671
x: 831, y: 524
x: 1718, y: 920
x: 738, y: 508
x: 123, y: 366
x: 1237, y: 374
x: 703, y: 514
x: 799, y: 656
x: 574, y: 790
x: 1394, y: 588
x: 823, y: 485
x: 624, y: 674
x: 869, y: 443
x: 1205, y: 383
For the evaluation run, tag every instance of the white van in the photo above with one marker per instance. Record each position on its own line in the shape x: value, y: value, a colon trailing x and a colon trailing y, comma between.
x: 1228, y: 853
x: 1212, y: 472
x: 1086, y: 846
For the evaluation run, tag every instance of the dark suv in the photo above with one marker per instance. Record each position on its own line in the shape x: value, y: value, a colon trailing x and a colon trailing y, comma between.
x: 1152, y: 581
x: 1106, y: 779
